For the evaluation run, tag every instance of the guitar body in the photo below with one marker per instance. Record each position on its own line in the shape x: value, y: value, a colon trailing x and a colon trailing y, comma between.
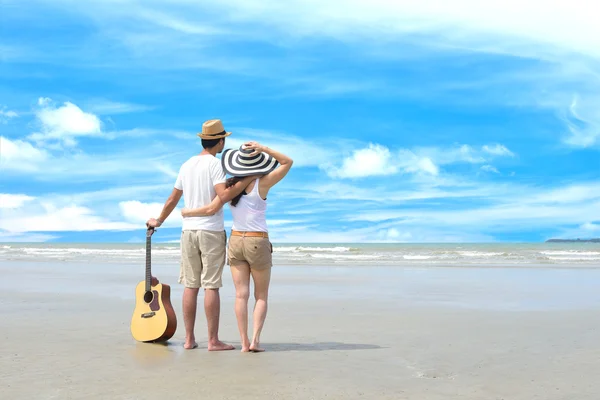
x: 153, y: 319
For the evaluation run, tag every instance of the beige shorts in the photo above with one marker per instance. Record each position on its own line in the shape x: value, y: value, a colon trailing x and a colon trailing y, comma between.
x: 253, y: 252
x: 202, y: 258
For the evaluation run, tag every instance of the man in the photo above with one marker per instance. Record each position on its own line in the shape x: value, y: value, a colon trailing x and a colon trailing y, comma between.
x: 203, y: 239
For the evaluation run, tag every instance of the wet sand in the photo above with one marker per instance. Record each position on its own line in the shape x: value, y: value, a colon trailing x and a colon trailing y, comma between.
x: 331, y: 333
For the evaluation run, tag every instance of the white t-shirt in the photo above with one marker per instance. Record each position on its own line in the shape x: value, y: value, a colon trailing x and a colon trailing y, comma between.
x: 197, y: 178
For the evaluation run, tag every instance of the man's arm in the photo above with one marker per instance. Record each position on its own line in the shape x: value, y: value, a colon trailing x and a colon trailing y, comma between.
x: 226, y: 194
x: 169, y: 206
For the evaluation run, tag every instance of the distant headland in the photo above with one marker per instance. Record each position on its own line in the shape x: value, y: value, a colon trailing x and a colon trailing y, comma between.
x: 597, y: 240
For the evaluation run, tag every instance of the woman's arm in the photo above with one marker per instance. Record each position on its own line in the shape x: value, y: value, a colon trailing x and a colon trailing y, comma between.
x: 204, y: 211
x: 285, y: 163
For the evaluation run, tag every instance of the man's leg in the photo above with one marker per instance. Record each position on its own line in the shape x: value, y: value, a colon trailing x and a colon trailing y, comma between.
x: 191, y: 266
x: 190, y: 302
x: 213, y: 260
x: 212, y: 308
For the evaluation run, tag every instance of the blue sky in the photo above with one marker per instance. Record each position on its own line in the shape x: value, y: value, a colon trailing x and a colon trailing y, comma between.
x: 471, y: 121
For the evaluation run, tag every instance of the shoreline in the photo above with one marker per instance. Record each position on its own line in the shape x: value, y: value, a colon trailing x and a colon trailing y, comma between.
x: 343, y: 264
x: 357, y: 255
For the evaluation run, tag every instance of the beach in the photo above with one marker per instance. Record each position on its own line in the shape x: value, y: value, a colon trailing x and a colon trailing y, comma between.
x: 334, y: 331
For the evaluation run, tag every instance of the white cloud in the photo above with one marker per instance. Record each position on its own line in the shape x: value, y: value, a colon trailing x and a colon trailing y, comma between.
x: 379, y: 160
x: 463, y: 153
x: 415, y: 164
x: 22, y: 158
x: 20, y: 237
x: 583, y: 122
x: 505, y: 218
x: 492, y: 26
x: 44, y: 101
x: 573, y: 193
x: 179, y: 24
x: 167, y: 170
x: 147, y: 133
x: 102, y: 107
x: 110, y: 194
x: 406, y: 189
x: 60, y: 125
x: 378, y: 233
x: 372, y: 161
x: 180, y: 35
x: 139, y: 212
x: 5, y: 115
x: 304, y: 153
x: 20, y: 214
x: 490, y: 168
x: 532, y: 209
x: 48, y: 217
x: 481, y: 206
x: 20, y: 155
x: 590, y: 227
x: 8, y: 200
x: 514, y: 27
x: 61, y: 213
x: 393, y: 235
x: 428, y: 166
x: 498, y: 150
x: 587, y: 230
x: 64, y: 123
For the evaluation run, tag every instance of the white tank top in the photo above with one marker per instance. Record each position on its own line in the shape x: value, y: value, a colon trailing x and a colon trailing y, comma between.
x: 249, y: 214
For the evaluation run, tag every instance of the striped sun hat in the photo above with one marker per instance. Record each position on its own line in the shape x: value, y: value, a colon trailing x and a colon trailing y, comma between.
x: 241, y: 163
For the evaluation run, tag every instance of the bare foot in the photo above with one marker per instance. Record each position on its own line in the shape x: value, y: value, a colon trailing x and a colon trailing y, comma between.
x: 245, y: 346
x: 219, y: 346
x: 190, y: 345
x: 255, y: 348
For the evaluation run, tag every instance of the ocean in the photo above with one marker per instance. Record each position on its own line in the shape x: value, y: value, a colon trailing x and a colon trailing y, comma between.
x: 371, y: 254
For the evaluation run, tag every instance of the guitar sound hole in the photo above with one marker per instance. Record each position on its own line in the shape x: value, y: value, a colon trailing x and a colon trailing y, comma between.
x: 148, y: 296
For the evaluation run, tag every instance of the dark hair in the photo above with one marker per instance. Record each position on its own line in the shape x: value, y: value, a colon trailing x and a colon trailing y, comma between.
x: 229, y: 183
x: 210, y: 143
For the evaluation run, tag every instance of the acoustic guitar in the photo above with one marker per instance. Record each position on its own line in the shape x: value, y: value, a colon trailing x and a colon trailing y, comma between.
x: 154, y: 319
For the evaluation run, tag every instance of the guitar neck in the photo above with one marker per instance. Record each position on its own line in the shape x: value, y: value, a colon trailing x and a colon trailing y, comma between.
x: 148, y: 266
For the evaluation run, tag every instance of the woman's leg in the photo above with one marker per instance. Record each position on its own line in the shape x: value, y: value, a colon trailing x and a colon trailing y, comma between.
x: 261, y: 280
x: 241, y: 280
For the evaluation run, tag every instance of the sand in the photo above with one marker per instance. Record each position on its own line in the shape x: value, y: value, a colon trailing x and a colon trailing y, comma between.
x: 331, y: 333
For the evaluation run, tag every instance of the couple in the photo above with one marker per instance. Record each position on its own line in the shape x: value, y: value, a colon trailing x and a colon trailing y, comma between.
x: 202, y: 181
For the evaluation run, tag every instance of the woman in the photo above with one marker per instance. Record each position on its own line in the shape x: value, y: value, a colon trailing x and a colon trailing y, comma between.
x: 250, y: 250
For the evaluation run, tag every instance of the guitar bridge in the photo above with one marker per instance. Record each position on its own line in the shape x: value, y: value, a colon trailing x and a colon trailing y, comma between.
x: 148, y: 314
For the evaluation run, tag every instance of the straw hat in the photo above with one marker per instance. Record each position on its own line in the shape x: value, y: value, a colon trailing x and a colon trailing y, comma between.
x: 213, y: 129
x: 241, y: 163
